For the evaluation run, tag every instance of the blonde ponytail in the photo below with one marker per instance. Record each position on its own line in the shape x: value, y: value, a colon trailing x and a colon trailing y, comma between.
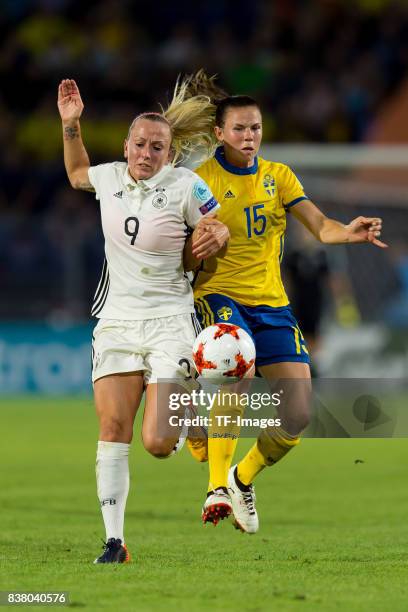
x: 191, y: 115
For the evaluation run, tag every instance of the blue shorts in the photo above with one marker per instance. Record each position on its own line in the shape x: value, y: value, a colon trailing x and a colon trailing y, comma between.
x: 275, y: 331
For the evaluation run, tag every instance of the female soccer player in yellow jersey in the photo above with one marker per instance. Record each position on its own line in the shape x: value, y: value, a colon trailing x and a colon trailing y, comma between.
x: 244, y: 286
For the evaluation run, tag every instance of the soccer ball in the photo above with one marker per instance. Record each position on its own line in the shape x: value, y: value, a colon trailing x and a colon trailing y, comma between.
x: 223, y: 352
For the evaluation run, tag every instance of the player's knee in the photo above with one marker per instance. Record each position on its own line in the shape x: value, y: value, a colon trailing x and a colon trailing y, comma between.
x: 115, y: 430
x: 158, y: 447
x: 305, y: 414
x: 302, y: 419
x: 297, y: 422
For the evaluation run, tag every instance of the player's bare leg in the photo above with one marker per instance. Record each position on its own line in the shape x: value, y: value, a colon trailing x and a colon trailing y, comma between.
x: 294, y: 412
x: 160, y: 432
x: 159, y: 439
x: 272, y: 444
x: 117, y: 398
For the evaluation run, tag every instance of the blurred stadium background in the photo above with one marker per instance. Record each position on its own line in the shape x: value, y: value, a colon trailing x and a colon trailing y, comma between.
x: 332, y: 79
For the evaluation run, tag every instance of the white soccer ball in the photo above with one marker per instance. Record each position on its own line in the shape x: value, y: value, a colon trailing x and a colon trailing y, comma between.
x: 223, y: 352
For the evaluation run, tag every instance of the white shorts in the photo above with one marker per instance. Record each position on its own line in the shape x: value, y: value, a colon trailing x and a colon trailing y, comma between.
x: 161, y: 348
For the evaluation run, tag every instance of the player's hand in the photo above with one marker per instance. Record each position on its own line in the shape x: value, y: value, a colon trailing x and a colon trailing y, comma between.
x: 70, y: 105
x: 366, y: 229
x: 209, y: 236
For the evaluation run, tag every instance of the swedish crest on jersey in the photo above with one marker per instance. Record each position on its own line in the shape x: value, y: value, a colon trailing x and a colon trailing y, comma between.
x: 160, y: 199
x: 225, y: 313
x: 269, y: 185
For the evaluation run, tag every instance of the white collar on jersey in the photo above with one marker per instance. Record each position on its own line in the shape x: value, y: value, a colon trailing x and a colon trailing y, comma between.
x: 145, y: 184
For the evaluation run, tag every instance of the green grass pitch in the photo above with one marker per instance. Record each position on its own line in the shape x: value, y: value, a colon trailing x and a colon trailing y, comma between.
x: 333, y: 536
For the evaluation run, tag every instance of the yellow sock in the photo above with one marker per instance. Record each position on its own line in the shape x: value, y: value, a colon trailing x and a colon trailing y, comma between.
x: 269, y: 448
x: 220, y: 453
x: 222, y: 442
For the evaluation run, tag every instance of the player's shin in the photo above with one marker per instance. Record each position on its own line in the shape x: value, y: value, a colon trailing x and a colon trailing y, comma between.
x: 271, y: 446
x: 112, y: 477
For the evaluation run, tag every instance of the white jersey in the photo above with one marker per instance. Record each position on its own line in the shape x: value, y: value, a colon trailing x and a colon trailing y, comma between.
x: 145, y: 224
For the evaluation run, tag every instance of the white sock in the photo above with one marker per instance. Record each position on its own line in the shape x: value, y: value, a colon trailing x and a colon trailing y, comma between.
x: 112, y: 479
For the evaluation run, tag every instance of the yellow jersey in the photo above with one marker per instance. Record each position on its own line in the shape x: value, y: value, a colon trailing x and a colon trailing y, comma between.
x: 254, y: 202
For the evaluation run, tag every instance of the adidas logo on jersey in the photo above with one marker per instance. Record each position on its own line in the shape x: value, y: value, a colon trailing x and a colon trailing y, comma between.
x: 229, y: 194
x: 119, y: 194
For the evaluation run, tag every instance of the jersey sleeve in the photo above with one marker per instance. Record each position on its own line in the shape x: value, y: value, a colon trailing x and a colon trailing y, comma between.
x: 199, y: 202
x: 96, y: 175
x: 291, y: 189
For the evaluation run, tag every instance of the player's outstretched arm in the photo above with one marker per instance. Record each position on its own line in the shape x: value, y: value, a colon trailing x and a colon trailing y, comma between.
x: 210, y: 237
x: 330, y: 231
x: 76, y: 158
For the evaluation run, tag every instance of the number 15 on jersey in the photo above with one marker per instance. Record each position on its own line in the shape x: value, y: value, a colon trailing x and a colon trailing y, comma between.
x: 255, y: 220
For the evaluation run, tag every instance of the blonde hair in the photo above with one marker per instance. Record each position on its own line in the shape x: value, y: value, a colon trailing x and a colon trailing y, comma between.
x: 191, y: 115
x: 197, y: 106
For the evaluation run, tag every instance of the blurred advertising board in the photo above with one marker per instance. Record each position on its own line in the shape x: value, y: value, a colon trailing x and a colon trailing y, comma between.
x: 40, y: 358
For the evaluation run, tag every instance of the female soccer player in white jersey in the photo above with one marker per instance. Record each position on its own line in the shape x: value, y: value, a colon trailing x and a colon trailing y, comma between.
x: 144, y: 301
x: 245, y: 287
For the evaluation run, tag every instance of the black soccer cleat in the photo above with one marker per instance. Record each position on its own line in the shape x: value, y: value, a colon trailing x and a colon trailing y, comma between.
x: 114, y: 552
